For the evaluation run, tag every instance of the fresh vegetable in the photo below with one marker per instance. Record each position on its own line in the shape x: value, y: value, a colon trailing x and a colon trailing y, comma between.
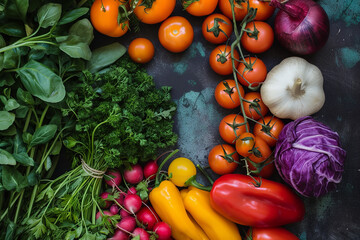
x: 226, y: 94
x: 245, y: 144
x: 180, y: 170
x: 254, y: 107
x: 105, y: 196
x: 240, y: 9
x: 278, y: 233
x: 255, y: 202
x: 141, y: 50
x: 258, y: 37
x: 105, y: 15
x: 132, y: 203
x: 223, y: 159
x: 220, y: 59
x: 216, y: 227
x: 231, y: 127
x: 199, y: 7
x: 134, y: 174
x: 269, y: 129
x: 216, y: 28
x: 309, y: 157
x: 176, y: 34
x: 148, y: 217
x: 127, y: 224
x: 301, y: 26
x: 162, y: 230
x: 143, y: 235
x: 119, y: 235
x: 113, y: 178
x: 136, y: 117
x: 150, y: 169
x: 293, y: 89
x: 251, y: 72
x: 151, y: 11
x: 260, y: 162
x: 263, y: 9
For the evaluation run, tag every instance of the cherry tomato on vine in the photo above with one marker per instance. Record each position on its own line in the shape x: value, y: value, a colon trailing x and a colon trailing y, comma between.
x: 176, y: 34
x: 220, y: 60
x: 104, y: 18
x: 245, y: 144
x: 217, y: 28
x: 231, y: 127
x: 223, y: 159
x: 180, y: 170
x: 262, y: 155
x: 259, y: 39
x: 226, y: 94
x: 270, y: 130
x: 240, y: 10
x: 254, y: 71
x: 271, y: 234
x: 264, y: 10
x: 141, y: 50
x: 200, y: 7
x: 154, y: 12
x: 254, y: 106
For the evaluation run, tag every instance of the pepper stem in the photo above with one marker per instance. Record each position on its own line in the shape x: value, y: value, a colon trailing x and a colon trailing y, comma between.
x: 192, y: 182
x: 157, y: 177
x: 296, y: 90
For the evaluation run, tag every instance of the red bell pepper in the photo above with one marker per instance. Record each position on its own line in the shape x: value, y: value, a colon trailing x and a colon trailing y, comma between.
x: 240, y: 199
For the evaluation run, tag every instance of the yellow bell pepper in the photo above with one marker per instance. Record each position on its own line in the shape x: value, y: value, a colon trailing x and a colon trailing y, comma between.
x: 168, y: 204
x: 216, y: 227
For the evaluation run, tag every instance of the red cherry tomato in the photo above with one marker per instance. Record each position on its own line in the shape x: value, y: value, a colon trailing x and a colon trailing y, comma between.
x: 220, y: 60
x: 141, y: 50
x: 253, y: 105
x: 200, y: 7
x: 226, y: 94
x: 253, y: 72
x: 270, y: 130
x: 245, y: 144
x: 231, y: 127
x: 262, y: 155
x: 216, y: 28
x: 260, y: 39
x: 223, y: 159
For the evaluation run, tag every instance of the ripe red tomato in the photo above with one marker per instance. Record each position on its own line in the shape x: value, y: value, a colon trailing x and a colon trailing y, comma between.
x: 254, y: 72
x: 157, y: 12
x: 223, y: 159
x: 141, y: 50
x: 271, y: 234
x: 264, y: 10
x: 226, y: 94
x: 245, y: 144
x: 231, y: 127
x: 254, y: 106
x: 239, y: 10
x: 220, y: 60
x: 104, y: 18
x: 261, y: 38
x: 200, y: 7
x: 176, y: 34
x: 217, y: 28
x: 270, y: 130
x: 262, y: 154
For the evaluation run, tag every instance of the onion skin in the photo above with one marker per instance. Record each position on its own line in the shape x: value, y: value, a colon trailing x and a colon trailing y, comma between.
x: 301, y: 26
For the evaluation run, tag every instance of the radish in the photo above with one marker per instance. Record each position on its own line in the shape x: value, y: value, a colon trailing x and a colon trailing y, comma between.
x: 124, y: 213
x: 134, y: 175
x: 150, y: 170
x: 99, y: 214
x: 142, y: 233
x: 163, y: 230
x: 120, y: 199
x: 114, y: 209
x: 104, y: 196
x: 127, y: 224
x: 119, y: 235
x: 132, y: 203
x: 132, y: 190
x: 148, y: 217
x: 113, y: 178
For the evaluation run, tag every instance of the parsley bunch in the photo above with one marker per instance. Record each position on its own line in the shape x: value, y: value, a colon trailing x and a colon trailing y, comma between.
x: 139, y: 116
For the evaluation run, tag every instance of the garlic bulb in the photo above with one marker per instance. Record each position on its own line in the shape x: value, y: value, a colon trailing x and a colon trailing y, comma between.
x: 293, y: 89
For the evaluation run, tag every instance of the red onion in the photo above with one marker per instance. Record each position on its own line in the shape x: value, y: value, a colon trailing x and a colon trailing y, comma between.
x: 301, y: 26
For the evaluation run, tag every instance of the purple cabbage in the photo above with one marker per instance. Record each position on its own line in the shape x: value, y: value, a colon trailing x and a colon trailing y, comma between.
x: 308, y: 157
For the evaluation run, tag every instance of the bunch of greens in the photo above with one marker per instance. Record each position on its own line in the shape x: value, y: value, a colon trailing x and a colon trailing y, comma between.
x: 121, y: 118
x: 42, y: 46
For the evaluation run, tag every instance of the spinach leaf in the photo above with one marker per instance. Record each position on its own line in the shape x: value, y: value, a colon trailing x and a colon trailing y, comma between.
x: 83, y: 29
x: 49, y: 14
x: 43, y: 134
x: 6, y: 158
x: 12, y: 179
x: 17, y: 9
x: 11, y: 104
x: 76, y: 48
x: 6, y: 119
x: 42, y: 82
x: 24, y: 96
x: 72, y: 15
x: 23, y: 158
x: 13, y: 29
x: 104, y: 56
